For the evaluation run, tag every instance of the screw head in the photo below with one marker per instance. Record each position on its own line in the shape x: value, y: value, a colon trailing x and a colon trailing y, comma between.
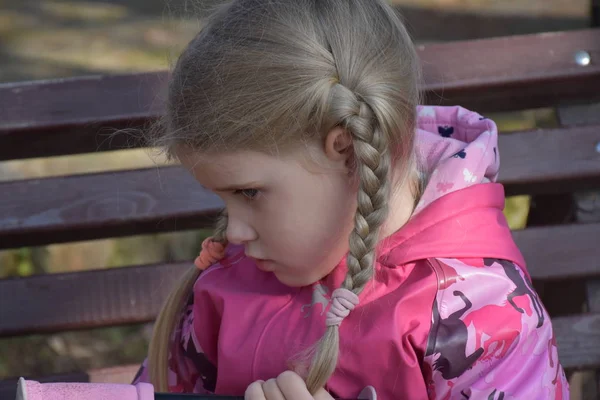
x: 583, y: 58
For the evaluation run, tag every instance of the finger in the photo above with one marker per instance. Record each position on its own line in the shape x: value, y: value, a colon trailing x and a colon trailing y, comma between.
x: 323, y: 394
x: 255, y: 391
x: 293, y: 387
x: 272, y: 391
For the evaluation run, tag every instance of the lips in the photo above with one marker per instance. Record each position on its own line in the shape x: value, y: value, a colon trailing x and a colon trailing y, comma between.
x: 264, y: 265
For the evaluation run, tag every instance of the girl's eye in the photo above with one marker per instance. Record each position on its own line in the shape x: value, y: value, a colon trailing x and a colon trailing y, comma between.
x: 250, y: 194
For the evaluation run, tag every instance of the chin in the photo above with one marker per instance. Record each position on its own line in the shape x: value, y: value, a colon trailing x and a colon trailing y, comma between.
x: 294, y: 281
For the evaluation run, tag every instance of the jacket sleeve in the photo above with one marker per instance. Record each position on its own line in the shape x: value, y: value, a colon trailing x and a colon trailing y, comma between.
x: 189, y: 370
x: 491, y: 338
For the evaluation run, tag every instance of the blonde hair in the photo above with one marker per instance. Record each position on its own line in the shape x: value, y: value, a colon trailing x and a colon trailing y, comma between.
x: 268, y: 75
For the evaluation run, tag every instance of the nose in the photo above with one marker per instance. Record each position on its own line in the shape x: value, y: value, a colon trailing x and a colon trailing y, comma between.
x: 239, y: 231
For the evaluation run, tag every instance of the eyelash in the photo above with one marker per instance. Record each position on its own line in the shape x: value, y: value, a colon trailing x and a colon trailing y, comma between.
x: 249, y: 194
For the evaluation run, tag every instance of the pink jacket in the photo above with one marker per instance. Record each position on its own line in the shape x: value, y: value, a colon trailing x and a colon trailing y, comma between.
x: 451, y: 313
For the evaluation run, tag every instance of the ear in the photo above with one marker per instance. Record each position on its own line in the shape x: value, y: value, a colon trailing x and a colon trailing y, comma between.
x: 338, y: 144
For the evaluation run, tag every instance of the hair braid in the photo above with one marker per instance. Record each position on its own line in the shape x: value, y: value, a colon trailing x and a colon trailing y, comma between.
x: 373, y: 161
x: 372, y: 166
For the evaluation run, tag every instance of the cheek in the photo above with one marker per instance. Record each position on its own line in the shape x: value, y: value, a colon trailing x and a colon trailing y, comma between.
x: 316, y: 219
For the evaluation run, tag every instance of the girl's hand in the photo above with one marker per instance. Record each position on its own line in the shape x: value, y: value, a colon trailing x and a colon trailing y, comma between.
x: 287, y: 386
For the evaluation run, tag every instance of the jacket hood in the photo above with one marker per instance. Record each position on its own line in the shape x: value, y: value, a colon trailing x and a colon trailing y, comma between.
x: 460, y: 213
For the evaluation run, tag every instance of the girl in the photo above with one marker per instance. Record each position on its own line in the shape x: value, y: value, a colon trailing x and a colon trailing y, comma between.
x: 363, y: 242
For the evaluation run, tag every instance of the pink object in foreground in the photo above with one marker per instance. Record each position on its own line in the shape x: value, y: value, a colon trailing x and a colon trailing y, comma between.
x: 32, y: 390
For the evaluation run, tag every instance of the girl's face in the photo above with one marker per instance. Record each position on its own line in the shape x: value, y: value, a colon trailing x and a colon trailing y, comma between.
x: 293, y: 215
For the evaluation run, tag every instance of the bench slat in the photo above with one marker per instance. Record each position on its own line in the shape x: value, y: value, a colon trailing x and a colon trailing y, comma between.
x: 509, y: 73
x: 50, y: 303
x: 577, y: 338
x: 76, y: 115
x: 83, y: 207
x: 87, y: 299
x: 561, y: 251
x: 550, y: 161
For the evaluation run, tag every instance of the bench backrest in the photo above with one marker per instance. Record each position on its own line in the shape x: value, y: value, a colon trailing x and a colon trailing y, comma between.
x: 70, y: 116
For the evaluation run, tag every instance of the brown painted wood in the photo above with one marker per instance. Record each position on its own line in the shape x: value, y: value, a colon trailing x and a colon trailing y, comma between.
x: 586, y: 205
x: 593, y: 303
x: 77, y: 115
x: 577, y: 339
x: 83, y: 207
x: 568, y: 296
x: 51, y: 303
x: 550, y: 161
x: 562, y: 251
x: 511, y: 73
x: 430, y: 21
x: 89, y: 299
x: 579, y: 114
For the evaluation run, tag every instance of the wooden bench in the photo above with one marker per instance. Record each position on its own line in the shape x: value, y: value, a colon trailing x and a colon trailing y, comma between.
x: 72, y: 116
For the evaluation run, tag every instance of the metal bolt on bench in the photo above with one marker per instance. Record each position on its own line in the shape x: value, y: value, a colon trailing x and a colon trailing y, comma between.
x: 583, y: 58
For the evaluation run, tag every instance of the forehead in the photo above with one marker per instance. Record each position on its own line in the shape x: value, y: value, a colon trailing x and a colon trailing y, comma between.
x: 236, y: 168
x: 230, y: 162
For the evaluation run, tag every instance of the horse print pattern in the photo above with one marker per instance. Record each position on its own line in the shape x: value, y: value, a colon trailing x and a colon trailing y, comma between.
x: 451, y: 342
x: 523, y: 286
x: 490, y: 332
x: 319, y: 297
